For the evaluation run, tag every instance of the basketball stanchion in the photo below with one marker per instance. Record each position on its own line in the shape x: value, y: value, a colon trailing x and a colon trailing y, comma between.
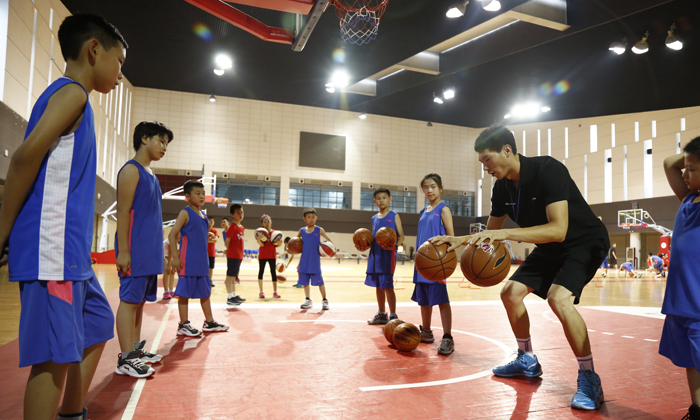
x: 468, y: 286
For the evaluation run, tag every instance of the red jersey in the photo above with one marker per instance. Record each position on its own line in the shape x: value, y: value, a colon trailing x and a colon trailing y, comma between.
x: 235, y: 237
x: 211, y: 246
x: 267, y: 251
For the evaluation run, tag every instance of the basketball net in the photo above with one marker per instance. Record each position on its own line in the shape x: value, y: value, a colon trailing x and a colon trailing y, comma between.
x: 359, y: 19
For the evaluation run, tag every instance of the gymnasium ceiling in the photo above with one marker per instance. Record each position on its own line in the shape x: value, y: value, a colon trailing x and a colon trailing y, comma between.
x: 489, y: 75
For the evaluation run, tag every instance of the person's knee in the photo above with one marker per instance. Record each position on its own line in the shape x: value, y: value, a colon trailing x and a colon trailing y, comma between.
x: 559, y: 300
x: 513, y: 293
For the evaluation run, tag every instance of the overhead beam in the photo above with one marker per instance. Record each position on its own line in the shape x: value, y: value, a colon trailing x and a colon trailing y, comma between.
x: 423, y: 62
x: 241, y: 20
x: 363, y: 87
x: 547, y: 13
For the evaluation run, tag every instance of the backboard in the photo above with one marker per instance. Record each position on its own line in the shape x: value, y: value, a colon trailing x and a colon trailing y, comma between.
x: 631, y: 219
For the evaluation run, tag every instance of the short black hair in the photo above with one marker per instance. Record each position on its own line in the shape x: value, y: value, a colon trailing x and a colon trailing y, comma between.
x: 234, y: 207
x: 210, y: 217
x: 287, y: 239
x: 381, y: 190
x: 693, y: 148
x: 435, y: 177
x: 76, y: 30
x: 494, y: 138
x: 150, y: 129
x: 308, y: 210
x: 651, y: 253
x: 192, y: 183
x: 224, y: 218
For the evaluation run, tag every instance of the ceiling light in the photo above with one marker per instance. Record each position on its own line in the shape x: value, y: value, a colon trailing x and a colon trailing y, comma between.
x: 429, y: 124
x: 212, y: 98
x: 223, y: 62
x: 619, y: 47
x: 363, y: 116
x: 491, y: 5
x: 641, y: 47
x: 672, y: 41
x: 218, y: 72
x: 437, y: 100
x: 330, y: 88
x: 545, y: 108
x: 340, y: 78
x: 506, y: 116
x: 527, y: 110
x: 449, y: 94
x: 457, y: 10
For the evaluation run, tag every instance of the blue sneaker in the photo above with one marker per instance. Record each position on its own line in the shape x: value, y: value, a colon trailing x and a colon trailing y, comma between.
x: 523, y: 365
x: 589, y: 395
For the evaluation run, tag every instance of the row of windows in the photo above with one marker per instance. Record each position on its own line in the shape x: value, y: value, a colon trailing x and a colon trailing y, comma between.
x: 249, y: 192
x: 460, y: 205
x: 326, y: 197
x: 401, y: 201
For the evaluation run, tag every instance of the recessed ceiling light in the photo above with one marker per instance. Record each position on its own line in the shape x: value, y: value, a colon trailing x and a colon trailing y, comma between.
x: 223, y: 61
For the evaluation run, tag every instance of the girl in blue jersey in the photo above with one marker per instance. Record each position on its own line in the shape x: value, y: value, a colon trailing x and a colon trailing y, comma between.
x: 435, y: 220
x: 382, y: 261
x: 192, y: 262
x: 680, y: 340
x: 309, y: 267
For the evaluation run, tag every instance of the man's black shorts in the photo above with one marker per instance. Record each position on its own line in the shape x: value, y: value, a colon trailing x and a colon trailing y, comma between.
x: 573, y: 268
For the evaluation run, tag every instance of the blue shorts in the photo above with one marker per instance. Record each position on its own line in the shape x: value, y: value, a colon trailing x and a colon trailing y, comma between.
x: 659, y: 267
x: 193, y: 287
x: 605, y: 264
x: 233, y: 266
x: 430, y: 294
x: 314, y: 279
x: 680, y: 341
x: 138, y: 289
x: 380, y: 280
x: 60, y: 319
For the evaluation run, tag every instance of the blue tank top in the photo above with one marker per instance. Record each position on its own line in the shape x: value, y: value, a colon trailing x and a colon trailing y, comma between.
x: 310, y: 261
x: 146, y: 225
x: 381, y: 261
x: 429, y: 225
x: 193, y: 246
x: 656, y: 259
x: 52, y: 235
x: 682, y: 296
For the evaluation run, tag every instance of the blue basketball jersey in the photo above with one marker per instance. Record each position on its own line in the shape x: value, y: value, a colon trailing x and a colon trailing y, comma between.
x: 658, y: 262
x: 310, y: 261
x: 429, y: 225
x: 381, y: 261
x: 52, y: 235
x: 145, y: 226
x: 193, y: 246
x: 682, y: 296
x: 627, y: 266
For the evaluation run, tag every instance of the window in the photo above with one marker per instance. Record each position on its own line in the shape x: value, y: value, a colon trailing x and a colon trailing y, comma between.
x: 459, y: 204
x: 401, y: 201
x: 321, y: 196
x: 248, y: 191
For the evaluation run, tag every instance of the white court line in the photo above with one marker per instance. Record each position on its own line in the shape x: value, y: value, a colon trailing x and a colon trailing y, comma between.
x: 607, y: 333
x: 649, y: 339
x: 645, y: 311
x: 627, y: 336
x: 141, y: 382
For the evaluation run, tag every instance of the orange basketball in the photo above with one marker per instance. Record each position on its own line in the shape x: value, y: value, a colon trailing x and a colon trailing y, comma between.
x: 281, y: 277
x: 434, y: 262
x: 281, y: 267
x: 389, y: 329
x: 295, y: 245
x: 487, y: 264
x: 386, y: 238
x: 406, y: 336
x: 362, y: 238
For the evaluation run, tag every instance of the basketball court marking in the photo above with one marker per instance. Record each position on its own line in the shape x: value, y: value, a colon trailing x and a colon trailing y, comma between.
x: 141, y: 382
x: 505, y: 349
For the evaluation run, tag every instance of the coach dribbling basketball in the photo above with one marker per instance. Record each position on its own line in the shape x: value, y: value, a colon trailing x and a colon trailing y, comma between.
x: 540, y: 196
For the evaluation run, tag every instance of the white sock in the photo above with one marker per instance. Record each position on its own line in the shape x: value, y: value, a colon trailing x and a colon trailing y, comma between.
x: 525, y: 345
x: 230, y: 295
x: 586, y: 363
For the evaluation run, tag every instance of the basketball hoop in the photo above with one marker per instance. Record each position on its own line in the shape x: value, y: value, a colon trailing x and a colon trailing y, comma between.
x: 359, y: 19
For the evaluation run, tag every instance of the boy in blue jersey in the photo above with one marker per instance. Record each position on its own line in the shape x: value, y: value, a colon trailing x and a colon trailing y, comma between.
x: 65, y: 318
x: 138, y: 245
x: 629, y: 268
x: 680, y: 340
x: 192, y: 263
x: 309, y: 267
x: 382, y: 261
x: 657, y: 265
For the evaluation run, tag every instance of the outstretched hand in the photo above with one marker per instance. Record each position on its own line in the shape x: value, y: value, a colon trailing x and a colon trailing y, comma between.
x: 487, y: 236
x: 454, y: 241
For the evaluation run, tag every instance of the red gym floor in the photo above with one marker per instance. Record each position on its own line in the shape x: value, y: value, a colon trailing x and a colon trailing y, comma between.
x: 280, y: 362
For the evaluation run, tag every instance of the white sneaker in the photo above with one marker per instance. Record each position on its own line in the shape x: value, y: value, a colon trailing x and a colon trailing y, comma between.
x: 325, y: 304
x: 187, y: 329
x: 133, y: 366
x: 308, y: 304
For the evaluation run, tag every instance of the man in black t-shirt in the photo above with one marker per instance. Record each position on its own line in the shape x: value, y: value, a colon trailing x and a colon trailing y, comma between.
x: 540, y: 196
x: 612, y: 257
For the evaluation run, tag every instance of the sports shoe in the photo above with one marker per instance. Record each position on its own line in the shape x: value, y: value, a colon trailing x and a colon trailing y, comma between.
x: 276, y: 295
x: 214, y: 326
x: 426, y: 336
x: 166, y: 295
x: 211, y: 282
x: 589, y: 394
x: 238, y: 281
x: 133, y: 366
x: 693, y: 413
x: 658, y: 276
x: 308, y: 304
x: 324, y: 305
x: 233, y: 301
x: 262, y: 295
x: 393, y: 316
x: 447, y: 346
x: 147, y: 357
x: 523, y: 365
x: 380, y: 318
x: 605, y: 275
x: 187, y: 329
x: 298, y: 286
